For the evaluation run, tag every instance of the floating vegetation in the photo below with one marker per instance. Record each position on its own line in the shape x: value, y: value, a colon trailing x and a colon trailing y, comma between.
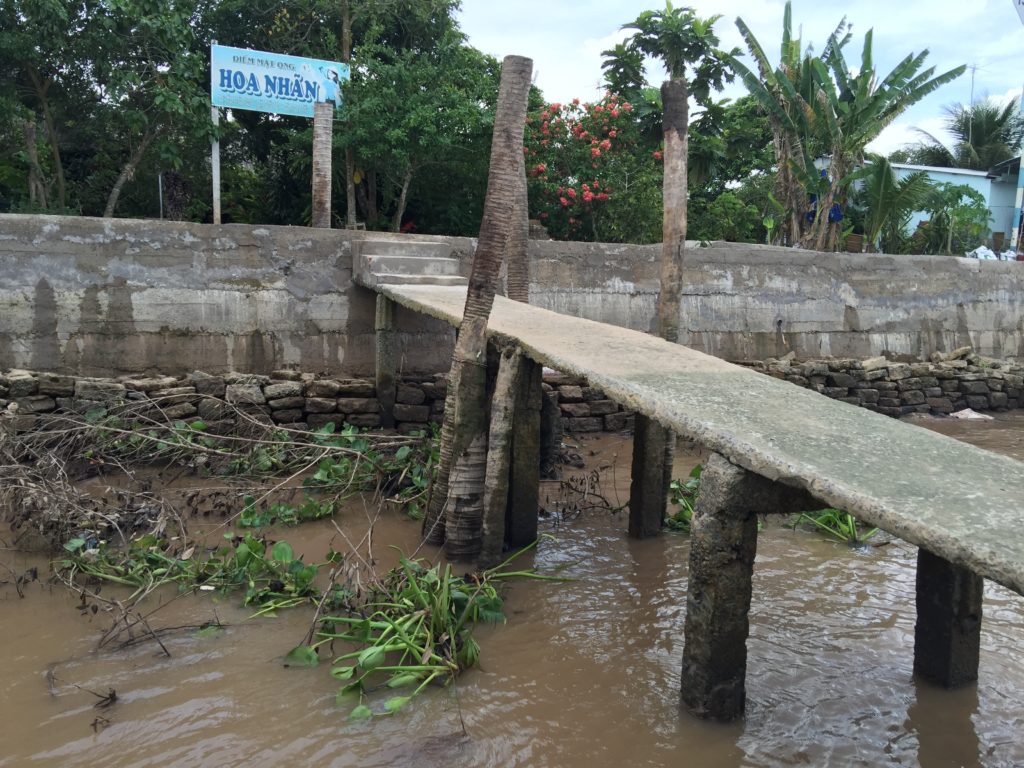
x: 683, y: 494
x: 839, y: 525
x: 414, y: 628
x: 271, y: 574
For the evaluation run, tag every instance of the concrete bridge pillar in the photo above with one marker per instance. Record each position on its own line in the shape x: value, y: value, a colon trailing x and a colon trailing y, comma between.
x: 524, y: 488
x: 649, y: 486
x: 386, y: 359
x: 947, y: 636
x: 723, y: 544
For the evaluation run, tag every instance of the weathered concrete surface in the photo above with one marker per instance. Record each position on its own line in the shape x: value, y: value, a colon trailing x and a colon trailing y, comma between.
x: 723, y: 545
x: 947, y: 635
x: 959, y: 502
x: 121, y: 296
x: 647, y: 486
x: 104, y: 297
x: 744, y: 301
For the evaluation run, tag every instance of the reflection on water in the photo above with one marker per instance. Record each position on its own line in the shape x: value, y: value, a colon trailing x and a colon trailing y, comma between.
x: 585, y: 673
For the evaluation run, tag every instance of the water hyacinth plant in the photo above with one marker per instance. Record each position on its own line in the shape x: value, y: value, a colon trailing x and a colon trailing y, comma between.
x: 415, y: 628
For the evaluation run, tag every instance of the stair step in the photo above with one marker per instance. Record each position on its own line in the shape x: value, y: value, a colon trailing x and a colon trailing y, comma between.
x: 389, y: 247
x: 410, y: 265
x: 384, y: 278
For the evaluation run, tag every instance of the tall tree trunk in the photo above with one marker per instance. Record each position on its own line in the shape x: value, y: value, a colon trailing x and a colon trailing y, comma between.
x: 371, y: 199
x: 323, y: 133
x: 403, y: 196
x: 36, y: 189
x: 350, y: 155
x: 128, y: 171
x: 673, y: 237
x: 517, y: 256
x: 455, y: 510
x: 42, y: 87
x: 658, y: 443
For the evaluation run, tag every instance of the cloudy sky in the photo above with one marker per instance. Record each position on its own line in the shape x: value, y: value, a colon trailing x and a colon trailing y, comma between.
x: 565, y: 39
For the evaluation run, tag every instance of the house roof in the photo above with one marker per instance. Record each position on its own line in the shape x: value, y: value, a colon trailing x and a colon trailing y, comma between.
x: 937, y: 169
x: 1009, y: 167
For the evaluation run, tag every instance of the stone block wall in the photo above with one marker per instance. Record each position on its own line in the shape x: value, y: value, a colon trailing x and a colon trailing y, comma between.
x: 584, y: 408
x: 949, y: 383
x: 292, y: 399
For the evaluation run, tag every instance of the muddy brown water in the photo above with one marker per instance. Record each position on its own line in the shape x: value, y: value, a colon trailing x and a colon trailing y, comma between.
x: 584, y: 673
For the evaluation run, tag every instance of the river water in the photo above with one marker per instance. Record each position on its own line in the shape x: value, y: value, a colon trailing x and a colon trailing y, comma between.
x: 585, y: 673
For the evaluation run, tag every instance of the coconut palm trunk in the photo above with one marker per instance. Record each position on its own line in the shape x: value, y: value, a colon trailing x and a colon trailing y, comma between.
x: 455, y: 511
x: 674, y: 191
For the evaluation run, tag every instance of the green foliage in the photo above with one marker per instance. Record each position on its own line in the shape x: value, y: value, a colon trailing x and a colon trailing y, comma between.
x: 270, y: 574
x: 821, y: 106
x: 683, y: 494
x: 422, y: 114
x: 984, y: 135
x: 683, y: 41
x: 839, y: 525
x: 889, y: 203
x: 729, y: 218
x: 958, y: 221
x: 415, y: 628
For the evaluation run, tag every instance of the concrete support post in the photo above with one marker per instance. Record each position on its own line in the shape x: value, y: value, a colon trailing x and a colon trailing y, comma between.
x: 648, y: 488
x: 723, y: 544
x: 386, y: 359
x: 524, y: 488
x: 947, y: 637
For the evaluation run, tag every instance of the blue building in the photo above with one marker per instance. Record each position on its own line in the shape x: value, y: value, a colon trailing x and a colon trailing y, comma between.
x: 1002, y: 187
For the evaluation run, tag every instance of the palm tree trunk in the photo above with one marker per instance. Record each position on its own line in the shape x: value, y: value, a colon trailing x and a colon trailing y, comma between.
x: 457, y: 496
x: 652, y: 442
x: 323, y: 124
x: 350, y: 155
x: 517, y: 256
x: 674, y: 191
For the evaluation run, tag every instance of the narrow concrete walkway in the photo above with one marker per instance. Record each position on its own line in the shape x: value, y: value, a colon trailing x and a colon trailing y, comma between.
x: 956, y: 501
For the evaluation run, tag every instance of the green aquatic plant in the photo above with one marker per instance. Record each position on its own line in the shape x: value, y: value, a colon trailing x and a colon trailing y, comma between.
x: 683, y: 494
x: 839, y: 525
x: 269, y: 572
x: 415, y: 628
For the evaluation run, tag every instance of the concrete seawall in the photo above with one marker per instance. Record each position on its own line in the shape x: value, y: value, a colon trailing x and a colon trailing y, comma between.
x: 112, y: 297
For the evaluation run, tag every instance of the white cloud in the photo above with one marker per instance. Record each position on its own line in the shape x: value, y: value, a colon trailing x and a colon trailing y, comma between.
x: 565, y: 39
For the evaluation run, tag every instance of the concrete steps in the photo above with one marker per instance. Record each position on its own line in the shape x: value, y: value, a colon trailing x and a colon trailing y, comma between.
x: 405, y: 262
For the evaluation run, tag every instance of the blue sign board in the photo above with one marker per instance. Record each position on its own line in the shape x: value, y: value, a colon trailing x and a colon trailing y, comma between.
x: 272, y: 82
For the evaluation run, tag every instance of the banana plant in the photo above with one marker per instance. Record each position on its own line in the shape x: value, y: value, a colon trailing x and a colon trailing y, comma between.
x: 823, y: 114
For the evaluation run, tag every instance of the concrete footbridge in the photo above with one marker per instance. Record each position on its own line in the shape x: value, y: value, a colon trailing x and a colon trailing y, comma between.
x: 780, y: 448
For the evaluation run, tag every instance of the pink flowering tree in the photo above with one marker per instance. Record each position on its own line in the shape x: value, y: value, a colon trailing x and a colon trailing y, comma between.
x: 591, y: 173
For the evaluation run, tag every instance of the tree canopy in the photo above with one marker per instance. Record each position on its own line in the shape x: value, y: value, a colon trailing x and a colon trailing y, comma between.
x: 984, y: 135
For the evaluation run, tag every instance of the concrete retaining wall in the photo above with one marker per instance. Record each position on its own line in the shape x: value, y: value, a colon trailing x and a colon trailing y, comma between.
x: 109, y: 297
x: 112, y: 297
x: 753, y: 302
